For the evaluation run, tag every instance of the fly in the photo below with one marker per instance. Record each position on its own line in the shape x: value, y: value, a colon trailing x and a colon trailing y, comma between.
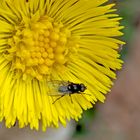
x: 62, y: 88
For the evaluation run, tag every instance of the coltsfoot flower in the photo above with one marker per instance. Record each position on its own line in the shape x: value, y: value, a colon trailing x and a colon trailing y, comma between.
x: 47, y: 40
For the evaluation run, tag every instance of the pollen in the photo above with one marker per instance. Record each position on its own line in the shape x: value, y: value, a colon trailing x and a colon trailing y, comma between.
x: 37, y: 49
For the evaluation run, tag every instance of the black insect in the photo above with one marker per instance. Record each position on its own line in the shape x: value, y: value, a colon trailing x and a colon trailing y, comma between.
x: 61, y: 88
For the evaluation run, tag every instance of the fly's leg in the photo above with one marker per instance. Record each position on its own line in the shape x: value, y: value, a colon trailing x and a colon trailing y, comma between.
x: 86, y: 94
x: 83, y: 95
x: 71, y: 98
x: 58, y: 99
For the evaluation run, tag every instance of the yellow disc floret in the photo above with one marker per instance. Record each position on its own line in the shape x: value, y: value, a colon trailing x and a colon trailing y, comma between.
x: 35, y: 50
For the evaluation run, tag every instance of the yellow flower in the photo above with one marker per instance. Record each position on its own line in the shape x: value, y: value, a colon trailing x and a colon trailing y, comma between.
x: 47, y: 40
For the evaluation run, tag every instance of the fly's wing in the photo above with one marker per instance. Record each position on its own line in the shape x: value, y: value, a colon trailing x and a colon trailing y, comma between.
x: 57, y: 88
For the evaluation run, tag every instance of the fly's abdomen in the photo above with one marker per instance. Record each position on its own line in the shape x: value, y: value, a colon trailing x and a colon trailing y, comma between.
x: 63, y: 89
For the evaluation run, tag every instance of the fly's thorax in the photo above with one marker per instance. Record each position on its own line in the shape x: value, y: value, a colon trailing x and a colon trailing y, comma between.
x: 74, y: 88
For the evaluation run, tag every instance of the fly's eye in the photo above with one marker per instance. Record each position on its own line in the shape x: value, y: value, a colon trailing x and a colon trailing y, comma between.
x: 83, y: 88
x: 82, y: 85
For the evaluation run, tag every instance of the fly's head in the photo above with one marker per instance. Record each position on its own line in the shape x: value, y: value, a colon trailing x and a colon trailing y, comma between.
x: 82, y: 87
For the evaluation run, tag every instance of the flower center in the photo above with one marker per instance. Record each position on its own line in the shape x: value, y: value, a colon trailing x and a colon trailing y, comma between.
x: 38, y: 47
